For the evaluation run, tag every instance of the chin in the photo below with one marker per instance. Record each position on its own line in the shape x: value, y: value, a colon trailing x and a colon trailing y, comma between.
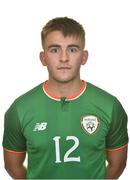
x: 64, y: 80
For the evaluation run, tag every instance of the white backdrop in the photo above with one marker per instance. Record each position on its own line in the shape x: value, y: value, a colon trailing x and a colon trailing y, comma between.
x: 107, y: 25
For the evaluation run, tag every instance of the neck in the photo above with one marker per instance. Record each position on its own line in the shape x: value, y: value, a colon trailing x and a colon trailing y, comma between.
x: 64, y: 89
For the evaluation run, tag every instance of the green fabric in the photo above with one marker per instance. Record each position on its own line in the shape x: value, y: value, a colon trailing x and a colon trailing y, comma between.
x: 51, y: 132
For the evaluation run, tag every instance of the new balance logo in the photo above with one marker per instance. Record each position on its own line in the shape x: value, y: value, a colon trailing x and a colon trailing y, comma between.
x: 40, y: 126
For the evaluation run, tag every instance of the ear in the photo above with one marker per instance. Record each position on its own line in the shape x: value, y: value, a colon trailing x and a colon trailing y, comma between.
x: 42, y: 58
x: 85, y: 57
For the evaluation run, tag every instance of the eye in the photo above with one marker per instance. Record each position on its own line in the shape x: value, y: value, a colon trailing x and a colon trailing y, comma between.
x: 73, y: 49
x: 54, y: 50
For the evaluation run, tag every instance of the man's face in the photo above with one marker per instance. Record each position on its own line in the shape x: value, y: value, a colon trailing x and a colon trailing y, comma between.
x: 63, y: 56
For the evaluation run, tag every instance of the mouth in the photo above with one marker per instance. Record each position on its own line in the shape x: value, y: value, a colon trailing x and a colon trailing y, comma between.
x: 63, y: 68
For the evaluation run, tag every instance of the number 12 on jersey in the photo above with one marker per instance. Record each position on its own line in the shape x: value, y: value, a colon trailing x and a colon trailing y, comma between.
x: 67, y: 157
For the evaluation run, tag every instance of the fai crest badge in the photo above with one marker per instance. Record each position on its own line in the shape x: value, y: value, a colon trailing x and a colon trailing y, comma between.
x: 90, y: 124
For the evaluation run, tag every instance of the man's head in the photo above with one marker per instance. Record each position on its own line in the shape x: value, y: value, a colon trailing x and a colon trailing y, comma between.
x: 63, y: 42
x: 67, y: 26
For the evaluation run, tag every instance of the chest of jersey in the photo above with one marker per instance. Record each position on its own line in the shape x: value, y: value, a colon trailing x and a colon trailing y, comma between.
x: 66, y: 134
x: 63, y: 119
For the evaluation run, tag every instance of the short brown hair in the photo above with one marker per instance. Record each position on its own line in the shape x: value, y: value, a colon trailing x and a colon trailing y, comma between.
x: 68, y: 26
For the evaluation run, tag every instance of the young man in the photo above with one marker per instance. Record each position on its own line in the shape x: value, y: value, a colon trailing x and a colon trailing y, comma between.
x: 68, y: 127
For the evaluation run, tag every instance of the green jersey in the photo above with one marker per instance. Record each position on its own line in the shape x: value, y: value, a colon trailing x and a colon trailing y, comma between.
x: 65, y: 138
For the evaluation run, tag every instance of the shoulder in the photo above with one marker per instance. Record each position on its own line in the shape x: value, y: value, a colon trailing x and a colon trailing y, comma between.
x: 31, y: 94
x: 105, y: 101
x: 27, y: 99
x: 101, y: 98
x: 99, y: 93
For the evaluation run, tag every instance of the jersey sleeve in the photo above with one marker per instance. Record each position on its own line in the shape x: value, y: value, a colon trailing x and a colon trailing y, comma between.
x: 13, y: 138
x: 117, y: 136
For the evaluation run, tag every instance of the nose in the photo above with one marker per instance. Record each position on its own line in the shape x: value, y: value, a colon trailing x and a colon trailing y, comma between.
x: 64, y: 56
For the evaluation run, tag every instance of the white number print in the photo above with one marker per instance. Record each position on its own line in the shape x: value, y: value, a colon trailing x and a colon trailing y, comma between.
x: 57, y: 148
x: 67, y: 157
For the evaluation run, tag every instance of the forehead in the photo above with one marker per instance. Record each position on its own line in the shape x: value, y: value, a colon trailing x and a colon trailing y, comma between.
x: 56, y: 37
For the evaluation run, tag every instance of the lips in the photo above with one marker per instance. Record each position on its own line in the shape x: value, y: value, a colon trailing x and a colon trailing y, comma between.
x: 60, y: 68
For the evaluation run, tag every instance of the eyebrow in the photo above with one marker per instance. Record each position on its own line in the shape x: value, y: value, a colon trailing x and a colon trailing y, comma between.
x: 74, y: 45
x: 53, y: 45
x: 57, y: 45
